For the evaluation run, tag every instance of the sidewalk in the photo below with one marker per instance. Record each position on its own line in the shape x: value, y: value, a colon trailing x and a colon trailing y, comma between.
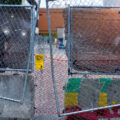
x: 47, y: 117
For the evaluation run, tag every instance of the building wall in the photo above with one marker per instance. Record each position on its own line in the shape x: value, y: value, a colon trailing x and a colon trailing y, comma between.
x: 95, y: 34
x: 56, y: 20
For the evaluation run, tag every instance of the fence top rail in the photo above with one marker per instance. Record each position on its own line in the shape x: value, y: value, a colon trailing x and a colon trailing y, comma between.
x: 94, y: 7
x: 3, y: 5
x: 94, y: 73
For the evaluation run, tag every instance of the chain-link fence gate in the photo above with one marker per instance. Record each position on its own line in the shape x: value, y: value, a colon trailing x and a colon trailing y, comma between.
x: 17, y: 32
x: 92, y: 47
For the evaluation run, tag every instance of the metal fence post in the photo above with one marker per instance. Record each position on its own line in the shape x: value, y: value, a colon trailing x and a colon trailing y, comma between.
x: 34, y: 27
x: 52, y: 64
x: 69, y: 42
x: 29, y: 58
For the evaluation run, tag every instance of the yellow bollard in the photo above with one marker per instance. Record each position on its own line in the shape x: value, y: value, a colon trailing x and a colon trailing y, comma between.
x: 39, y: 61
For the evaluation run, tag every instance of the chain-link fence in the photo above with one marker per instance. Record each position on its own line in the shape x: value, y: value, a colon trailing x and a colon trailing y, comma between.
x: 97, y: 39
x: 90, y: 42
x: 44, y: 93
x: 16, y: 42
x: 16, y: 37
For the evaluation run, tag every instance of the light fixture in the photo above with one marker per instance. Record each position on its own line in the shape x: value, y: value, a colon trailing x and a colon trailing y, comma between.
x: 12, y: 16
x: 23, y: 33
x: 6, y: 31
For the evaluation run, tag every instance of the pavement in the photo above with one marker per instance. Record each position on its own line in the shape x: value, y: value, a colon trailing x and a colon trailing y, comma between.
x: 48, y: 117
x: 44, y: 93
x: 45, y: 102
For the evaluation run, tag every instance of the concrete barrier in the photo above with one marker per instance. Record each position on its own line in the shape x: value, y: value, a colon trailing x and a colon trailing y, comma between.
x: 11, y: 86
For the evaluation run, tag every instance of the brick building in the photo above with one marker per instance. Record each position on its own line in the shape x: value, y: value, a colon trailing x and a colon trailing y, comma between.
x: 95, y: 39
x: 56, y: 20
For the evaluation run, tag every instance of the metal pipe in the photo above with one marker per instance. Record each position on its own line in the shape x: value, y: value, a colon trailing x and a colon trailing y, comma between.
x: 89, y: 110
x: 94, y: 7
x: 10, y: 99
x: 18, y: 70
x: 3, y: 5
x: 95, y: 73
x: 34, y: 26
x: 52, y: 65
x: 32, y: 40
